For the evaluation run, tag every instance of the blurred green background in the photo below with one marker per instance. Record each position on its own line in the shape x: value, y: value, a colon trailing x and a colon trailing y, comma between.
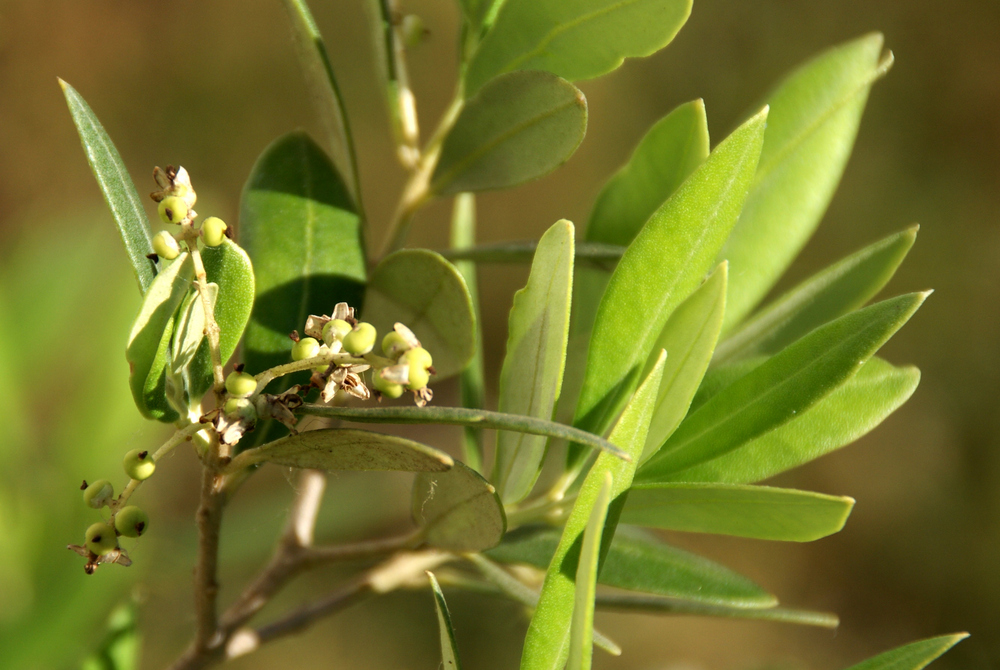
x: 210, y: 84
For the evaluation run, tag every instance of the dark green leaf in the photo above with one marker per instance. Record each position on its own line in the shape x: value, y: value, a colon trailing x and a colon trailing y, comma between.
x: 521, y: 126
x: 658, y: 605
x: 913, y: 656
x: 458, y: 510
x: 581, y: 633
x: 449, y: 648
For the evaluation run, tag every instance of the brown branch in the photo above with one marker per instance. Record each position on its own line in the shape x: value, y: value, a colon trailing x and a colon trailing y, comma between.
x: 206, y: 586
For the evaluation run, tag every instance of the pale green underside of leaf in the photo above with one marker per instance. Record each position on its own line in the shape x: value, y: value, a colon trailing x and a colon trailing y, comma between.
x: 913, y: 656
x: 581, y: 634
x: 425, y: 292
x: 458, y: 510
x: 189, y: 328
x: 531, y: 376
x: 523, y: 251
x: 575, y: 39
x: 660, y: 605
x: 519, y: 127
x: 449, y: 648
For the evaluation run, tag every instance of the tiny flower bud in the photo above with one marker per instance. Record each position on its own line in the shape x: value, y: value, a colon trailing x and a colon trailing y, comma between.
x: 213, y: 231
x: 361, y: 339
x: 166, y: 246
x: 131, y: 521
x: 139, y: 464
x: 173, y: 209
x: 98, y: 494
x: 240, y: 384
x: 101, y: 538
x: 305, y: 348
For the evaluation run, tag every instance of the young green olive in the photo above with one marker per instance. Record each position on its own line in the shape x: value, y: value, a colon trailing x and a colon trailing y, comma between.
x: 101, y: 538
x: 98, y: 494
x: 305, y: 348
x: 335, y: 330
x: 419, y: 359
x: 385, y: 387
x: 361, y: 339
x: 213, y: 231
x: 139, y: 464
x: 240, y: 407
x: 166, y: 246
x: 240, y: 384
x: 173, y: 209
x: 394, y: 345
x: 131, y: 521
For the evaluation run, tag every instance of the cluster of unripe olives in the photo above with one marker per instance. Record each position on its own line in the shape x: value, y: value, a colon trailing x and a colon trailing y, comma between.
x: 129, y: 521
x: 176, y: 206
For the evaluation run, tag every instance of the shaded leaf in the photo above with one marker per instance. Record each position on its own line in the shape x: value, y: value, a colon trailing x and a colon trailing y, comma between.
x: 458, y: 510
x: 659, y: 605
x: 913, y: 656
x: 122, y: 644
x: 523, y: 251
x: 581, y: 633
x: 532, y: 371
x: 521, y: 126
x: 449, y: 648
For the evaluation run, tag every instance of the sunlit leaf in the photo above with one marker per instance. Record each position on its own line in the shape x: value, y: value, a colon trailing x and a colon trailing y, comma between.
x: 458, y: 510
x: 913, y: 656
x: 626, y: 602
x: 581, y: 633
x: 189, y: 327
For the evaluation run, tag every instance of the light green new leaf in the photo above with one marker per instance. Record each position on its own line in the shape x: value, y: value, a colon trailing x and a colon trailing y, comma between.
x: 324, y: 91
x: 815, y: 114
x: 116, y: 185
x: 346, y: 449
x: 148, y: 350
x: 781, y: 388
x: 856, y: 407
x: 521, y: 126
x: 189, y: 327
x: 480, y: 13
x: 546, y: 646
x: 426, y: 293
x: 760, y: 512
x: 581, y: 635
x: 688, y: 338
x: 532, y: 371
x: 449, y: 648
x: 913, y: 656
x: 663, y: 159
x: 523, y: 251
x: 299, y: 225
x: 458, y: 510
x: 575, y: 39
x: 664, y: 264
x: 639, y: 561
x: 659, y: 605
x: 837, y: 290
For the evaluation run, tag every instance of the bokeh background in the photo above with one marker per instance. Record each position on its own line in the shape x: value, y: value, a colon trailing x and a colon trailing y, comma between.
x: 210, y: 84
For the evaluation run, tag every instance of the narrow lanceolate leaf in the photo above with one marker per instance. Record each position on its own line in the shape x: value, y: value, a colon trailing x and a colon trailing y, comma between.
x: 519, y: 127
x: 639, y: 561
x: 856, y: 407
x: 523, y: 251
x: 424, y: 291
x: 449, y: 648
x: 660, y: 605
x: 323, y: 90
x: 458, y: 510
x: 815, y: 114
x: 837, y: 290
x: 299, y: 225
x: 119, y: 191
x: 145, y: 352
x: 688, y: 338
x: 532, y: 371
x: 189, y: 329
x: 581, y: 634
x: 669, y: 152
x: 781, y: 388
x: 575, y: 39
x: 346, y: 449
x: 760, y: 512
x: 546, y: 646
x: 913, y: 656
x: 662, y: 266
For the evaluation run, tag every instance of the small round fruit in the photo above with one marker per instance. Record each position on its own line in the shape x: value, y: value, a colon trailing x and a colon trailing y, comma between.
x: 419, y: 359
x: 139, y: 464
x: 361, y: 339
x: 213, y: 231
x: 131, y: 521
x: 166, y: 246
x: 305, y: 348
x: 101, y: 538
x: 394, y: 345
x: 240, y: 384
x: 335, y: 330
x: 419, y: 378
x: 240, y: 407
x: 173, y: 209
x: 385, y: 387
x: 98, y: 494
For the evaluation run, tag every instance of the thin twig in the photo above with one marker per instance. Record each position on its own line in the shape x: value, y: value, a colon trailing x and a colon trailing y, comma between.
x: 182, y: 435
x: 206, y: 586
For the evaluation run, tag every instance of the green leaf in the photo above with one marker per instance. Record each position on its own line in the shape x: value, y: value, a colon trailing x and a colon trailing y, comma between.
x: 639, y: 561
x: 300, y: 227
x: 837, y: 290
x: 147, y: 351
x: 122, y: 644
x: 519, y: 127
x: 913, y: 656
x: 532, y: 371
x: 581, y: 635
x: 426, y: 293
x: 523, y: 251
x: 815, y: 114
x: 116, y: 185
x: 480, y: 13
x: 189, y: 327
x: 781, y: 388
x: 449, y: 648
x: 461, y: 416
x: 853, y: 409
x: 760, y: 512
x: 670, y: 151
x: 667, y: 261
x: 325, y: 92
x: 688, y: 338
x: 658, y: 605
x: 575, y: 39
x: 546, y: 645
x: 346, y: 449
x: 458, y: 510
